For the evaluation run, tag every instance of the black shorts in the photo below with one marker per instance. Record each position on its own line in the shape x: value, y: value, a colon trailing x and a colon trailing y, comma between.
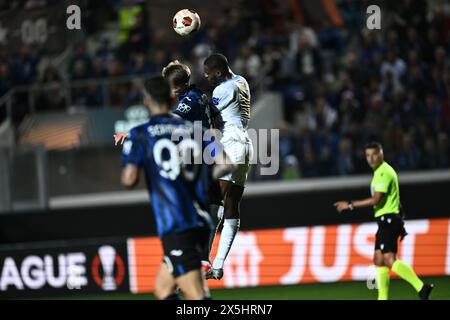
x: 214, y: 192
x: 184, y: 251
x: 390, y: 228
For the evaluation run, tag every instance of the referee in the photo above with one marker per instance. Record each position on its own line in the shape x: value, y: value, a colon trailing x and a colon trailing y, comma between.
x: 386, y: 204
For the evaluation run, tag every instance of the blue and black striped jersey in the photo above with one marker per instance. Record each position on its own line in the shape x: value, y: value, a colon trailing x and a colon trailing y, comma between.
x: 178, y: 188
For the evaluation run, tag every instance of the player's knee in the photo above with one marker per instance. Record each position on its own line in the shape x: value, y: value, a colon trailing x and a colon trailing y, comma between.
x: 162, y: 291
x: 388, y: 260
x: 378, y: 260
x: 194, y: 293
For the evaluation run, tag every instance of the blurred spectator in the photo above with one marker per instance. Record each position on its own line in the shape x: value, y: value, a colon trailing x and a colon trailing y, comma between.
x: 443, y: 150
x: 140, y: 66
x: 247, y: 64
x: 5, y: 79
x: 80, y: 57
x: 408, y: 157
x: 98, y: 68
x: 138, y: 39
x: 432, y: 111
x: 430, y: 154
x: 24, y: 67
x: 345, y: 158
x: 340, y: 87
x: 324, y: 115
x: 394, y: 66
x: 52, y: 95
x: 128, y: 18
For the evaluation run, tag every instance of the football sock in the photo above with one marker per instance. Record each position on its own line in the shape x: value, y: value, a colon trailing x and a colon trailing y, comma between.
x: 215, y: 210
x: 405, y: 272
x: 230, y: 228
x: 382, y: 282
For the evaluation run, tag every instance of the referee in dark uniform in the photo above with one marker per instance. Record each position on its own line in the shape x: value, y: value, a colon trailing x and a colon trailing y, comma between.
x: 385, y: 201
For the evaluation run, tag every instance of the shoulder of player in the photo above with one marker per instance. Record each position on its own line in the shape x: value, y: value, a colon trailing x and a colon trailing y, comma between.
x: 137, y: 133
x: 139, y: 129
x: 192, y: 98
x: 224, y: 88
x: 387, y: 171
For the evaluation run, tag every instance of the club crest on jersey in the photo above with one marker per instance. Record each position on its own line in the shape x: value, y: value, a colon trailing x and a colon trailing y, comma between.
x: 215, y: 101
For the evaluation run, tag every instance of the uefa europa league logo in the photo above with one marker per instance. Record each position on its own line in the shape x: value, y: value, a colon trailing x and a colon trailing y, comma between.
x: 107, y: 256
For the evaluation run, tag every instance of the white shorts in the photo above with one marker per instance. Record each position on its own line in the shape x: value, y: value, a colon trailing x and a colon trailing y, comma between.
x: 239, y: 148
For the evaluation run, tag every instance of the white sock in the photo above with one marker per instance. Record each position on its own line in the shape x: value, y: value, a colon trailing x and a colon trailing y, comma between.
x: 230, y: 228
x: 220, y: 213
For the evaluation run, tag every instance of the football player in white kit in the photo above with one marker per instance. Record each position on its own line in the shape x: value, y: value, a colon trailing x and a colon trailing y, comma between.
x: 231, y: 96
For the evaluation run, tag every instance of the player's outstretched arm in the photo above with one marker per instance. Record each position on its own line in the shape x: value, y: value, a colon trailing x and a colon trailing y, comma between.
x: 120, y: 137
x: 222, y: 165
x: 350, y: 205
x: 130, y: 176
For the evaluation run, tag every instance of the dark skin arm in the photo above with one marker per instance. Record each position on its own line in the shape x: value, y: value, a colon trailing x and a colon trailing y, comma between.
x: 369, y: 202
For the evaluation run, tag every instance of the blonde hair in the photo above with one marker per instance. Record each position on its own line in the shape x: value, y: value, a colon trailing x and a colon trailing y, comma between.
x: 177, y: 72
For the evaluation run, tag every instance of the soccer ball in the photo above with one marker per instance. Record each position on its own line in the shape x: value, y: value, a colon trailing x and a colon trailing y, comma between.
x: 186, y: 21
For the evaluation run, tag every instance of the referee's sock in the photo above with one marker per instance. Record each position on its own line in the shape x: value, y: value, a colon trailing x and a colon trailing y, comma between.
x: 383, y: 282
x: 405, y: 272
x: 230, y: 228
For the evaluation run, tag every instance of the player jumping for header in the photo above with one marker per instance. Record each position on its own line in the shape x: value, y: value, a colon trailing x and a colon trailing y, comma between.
x: 178, y: 189
x: 231, y: 96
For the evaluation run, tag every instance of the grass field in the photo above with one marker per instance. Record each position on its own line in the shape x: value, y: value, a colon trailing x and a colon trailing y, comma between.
x: 399, y: 290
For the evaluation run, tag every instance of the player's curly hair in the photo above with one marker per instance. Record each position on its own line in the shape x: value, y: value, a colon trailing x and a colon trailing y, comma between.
x: 217, y: 61
x: 177, y: 73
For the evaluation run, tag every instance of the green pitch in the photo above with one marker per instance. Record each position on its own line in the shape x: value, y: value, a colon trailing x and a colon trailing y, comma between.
x: 399, y: 290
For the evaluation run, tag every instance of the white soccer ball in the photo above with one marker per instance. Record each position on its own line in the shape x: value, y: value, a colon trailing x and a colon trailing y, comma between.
x: 186, y: 21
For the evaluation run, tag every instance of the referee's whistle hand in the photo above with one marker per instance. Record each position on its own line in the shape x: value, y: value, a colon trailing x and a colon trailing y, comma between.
x: 341, y: 206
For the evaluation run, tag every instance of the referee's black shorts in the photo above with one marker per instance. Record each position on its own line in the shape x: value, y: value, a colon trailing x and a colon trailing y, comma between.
x: 390, y: 228
x: 185, y: 251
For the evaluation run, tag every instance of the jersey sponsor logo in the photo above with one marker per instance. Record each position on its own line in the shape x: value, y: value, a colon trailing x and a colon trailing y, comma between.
x: 183, y: 107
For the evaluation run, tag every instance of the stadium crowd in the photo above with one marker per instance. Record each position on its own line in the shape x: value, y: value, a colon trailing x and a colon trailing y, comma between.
x: 341, y: 85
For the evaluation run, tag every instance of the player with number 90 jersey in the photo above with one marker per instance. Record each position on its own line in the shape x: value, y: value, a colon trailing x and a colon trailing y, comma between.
x: 178, y: 190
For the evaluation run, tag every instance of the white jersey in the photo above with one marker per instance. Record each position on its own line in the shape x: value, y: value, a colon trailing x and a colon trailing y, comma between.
x: 232, y: 99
